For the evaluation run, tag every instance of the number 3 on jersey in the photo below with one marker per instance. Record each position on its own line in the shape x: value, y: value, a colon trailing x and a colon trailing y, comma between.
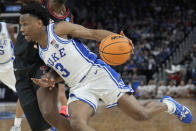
x: 1, y: 50
x: 60, y: 67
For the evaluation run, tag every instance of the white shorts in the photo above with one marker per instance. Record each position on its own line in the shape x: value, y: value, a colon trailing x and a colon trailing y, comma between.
x: 7, y: 75
x: 100, y: 83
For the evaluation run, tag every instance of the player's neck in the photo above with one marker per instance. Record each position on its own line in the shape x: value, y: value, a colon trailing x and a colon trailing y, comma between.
x: 42, y: 40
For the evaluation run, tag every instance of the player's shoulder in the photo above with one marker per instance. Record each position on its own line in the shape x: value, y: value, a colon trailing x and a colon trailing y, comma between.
x: 57, y: 27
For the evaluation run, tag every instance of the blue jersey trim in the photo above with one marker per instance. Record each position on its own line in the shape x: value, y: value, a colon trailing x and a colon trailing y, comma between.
x: 86, y: 54
x: 86, y: 101
x: 12, y: 59
x: 116, y: 78
x: 111, y: 105
x: 12, y: 47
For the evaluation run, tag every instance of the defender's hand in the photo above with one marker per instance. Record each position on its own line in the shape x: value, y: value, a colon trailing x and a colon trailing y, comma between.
x: 44, y: 82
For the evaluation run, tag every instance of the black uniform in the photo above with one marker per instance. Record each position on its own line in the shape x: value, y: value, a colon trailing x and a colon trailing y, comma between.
x: 27, y: 65
x: 67, y: 17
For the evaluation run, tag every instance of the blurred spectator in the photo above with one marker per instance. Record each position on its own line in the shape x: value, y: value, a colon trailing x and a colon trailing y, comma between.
x: 174, y: 74
x: 132, y: 66
x: 142, y: 91
x: 182, y: 90
x: 161, y: 90
x: 151, y: 89
x: 172, y: 90
x: 191, y: 89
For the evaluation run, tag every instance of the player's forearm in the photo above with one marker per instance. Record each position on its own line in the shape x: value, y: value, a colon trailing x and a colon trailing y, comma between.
x: 91, y: 34
x: 99, y: 35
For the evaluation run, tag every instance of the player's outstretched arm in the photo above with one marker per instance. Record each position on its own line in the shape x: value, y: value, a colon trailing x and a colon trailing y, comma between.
x: 78, y: 31
x: 130, y: 42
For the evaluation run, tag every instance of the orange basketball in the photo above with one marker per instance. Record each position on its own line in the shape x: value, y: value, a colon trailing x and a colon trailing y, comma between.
x: 115, y: 49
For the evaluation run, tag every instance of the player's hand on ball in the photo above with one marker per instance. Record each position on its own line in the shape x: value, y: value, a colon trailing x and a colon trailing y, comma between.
x: 130, y: 41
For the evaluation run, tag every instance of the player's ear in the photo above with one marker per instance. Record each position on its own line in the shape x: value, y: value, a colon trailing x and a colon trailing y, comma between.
x: 40, y: 23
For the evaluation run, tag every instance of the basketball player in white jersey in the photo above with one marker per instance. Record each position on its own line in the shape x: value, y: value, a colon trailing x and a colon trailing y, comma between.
x: 88, y: 77
x: 6, y: 65
x: 25, y: 68
x: 56, y: 14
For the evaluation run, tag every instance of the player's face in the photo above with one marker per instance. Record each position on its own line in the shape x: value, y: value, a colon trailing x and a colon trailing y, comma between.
x: 30, y: 27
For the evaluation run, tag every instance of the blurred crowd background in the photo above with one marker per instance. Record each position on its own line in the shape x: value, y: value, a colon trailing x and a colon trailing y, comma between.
x: 157, y: 28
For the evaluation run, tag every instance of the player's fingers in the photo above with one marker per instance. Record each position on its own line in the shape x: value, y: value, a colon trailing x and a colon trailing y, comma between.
x: 40, y: 82
x: 52, y: 84
x: 132, y: 52
x: 33, y: 79
x: 130, y: 42
x: 46, y: 80
x: 49, y: 82
x: 36, y: 81
x: 52, y: 79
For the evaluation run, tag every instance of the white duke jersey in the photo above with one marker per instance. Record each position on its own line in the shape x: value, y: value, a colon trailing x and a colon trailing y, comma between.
x: 6, y: 45
x: 69, y: 58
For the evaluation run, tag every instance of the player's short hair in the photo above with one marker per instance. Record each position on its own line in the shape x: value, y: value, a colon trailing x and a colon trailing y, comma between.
x: 36, y: 10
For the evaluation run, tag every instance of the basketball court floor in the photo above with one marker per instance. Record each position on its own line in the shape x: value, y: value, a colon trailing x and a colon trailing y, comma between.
x: 114, y: 120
